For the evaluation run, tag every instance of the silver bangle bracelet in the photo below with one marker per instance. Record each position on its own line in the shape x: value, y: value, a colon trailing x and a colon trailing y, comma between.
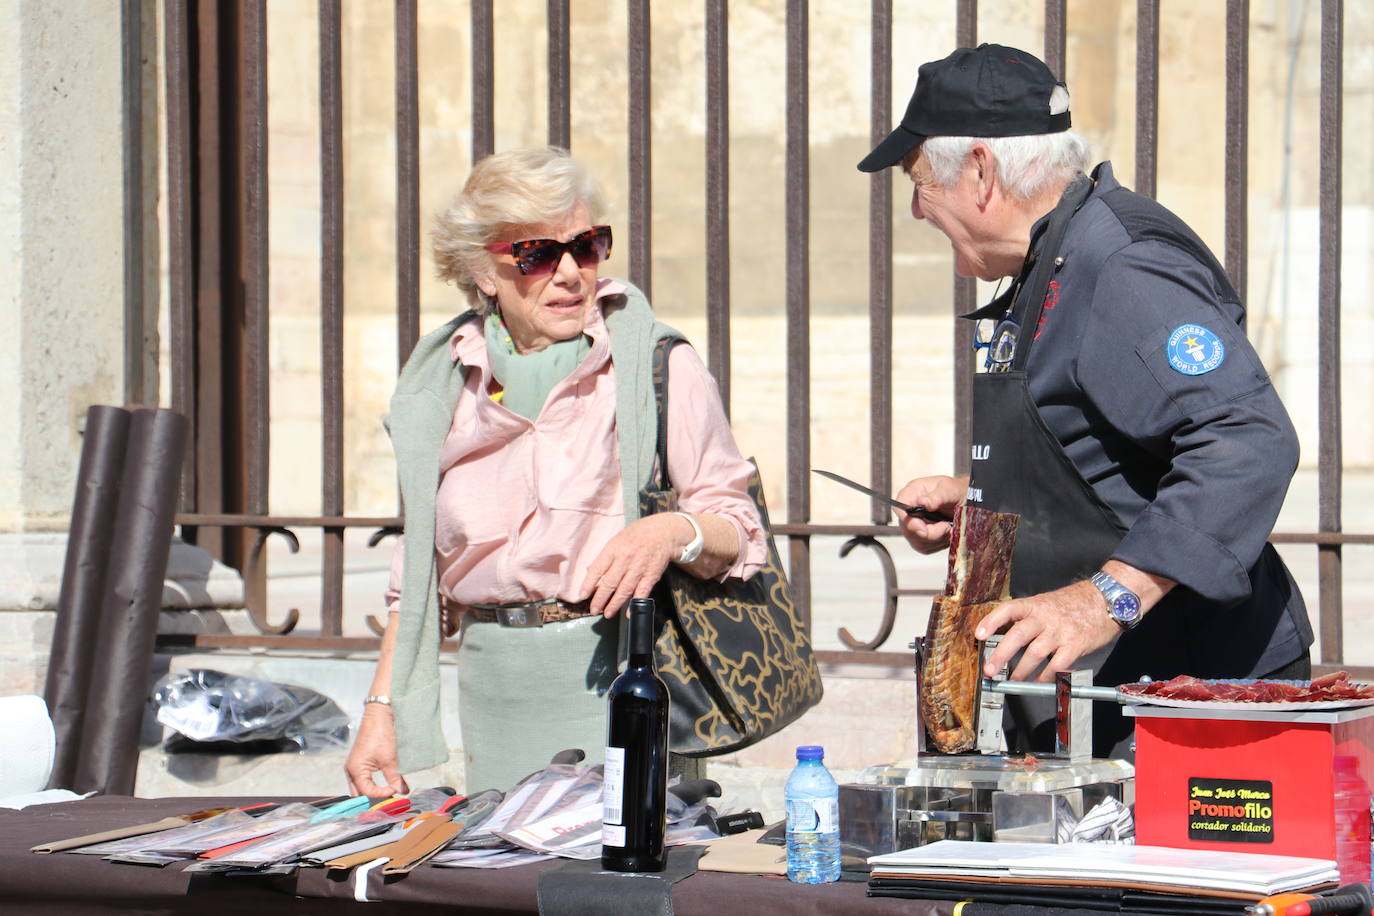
x: 377, y: 698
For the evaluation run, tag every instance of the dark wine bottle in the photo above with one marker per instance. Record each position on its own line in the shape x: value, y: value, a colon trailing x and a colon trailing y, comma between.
x: 636, y: 756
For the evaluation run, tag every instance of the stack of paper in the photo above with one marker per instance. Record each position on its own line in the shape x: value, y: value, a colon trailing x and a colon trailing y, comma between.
x: 554, y: 812
x: 1154, y: 867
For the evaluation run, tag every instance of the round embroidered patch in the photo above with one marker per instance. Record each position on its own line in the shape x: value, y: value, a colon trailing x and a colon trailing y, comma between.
x: 1194, y: 350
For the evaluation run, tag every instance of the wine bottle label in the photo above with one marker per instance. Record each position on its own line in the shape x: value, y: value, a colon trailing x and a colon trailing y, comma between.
x: 813, y: 815
x: 612, y: 835
x: 613, y: 791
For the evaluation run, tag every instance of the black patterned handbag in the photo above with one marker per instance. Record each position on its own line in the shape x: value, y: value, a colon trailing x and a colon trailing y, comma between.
x: 735, y: 655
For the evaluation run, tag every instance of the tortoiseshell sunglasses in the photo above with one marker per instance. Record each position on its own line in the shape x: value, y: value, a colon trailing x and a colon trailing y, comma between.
x: 541, y: 256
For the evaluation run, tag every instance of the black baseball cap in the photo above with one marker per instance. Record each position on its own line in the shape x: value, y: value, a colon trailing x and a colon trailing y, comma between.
x: 987, y: 91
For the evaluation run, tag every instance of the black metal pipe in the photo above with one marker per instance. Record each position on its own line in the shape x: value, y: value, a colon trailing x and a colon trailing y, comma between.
x: 880, y: 265
x: 560, y: 76
x: 483, y: 74
x: 408, y: 165
x: 718, y: 195
x: 1056, y: 38
x: 640, y: 149
x: 1237, y: 142
x: 797, y: 175
x: 180, y: 245
x: 1329, y: 445
x: 136, y: 384
x: 332, y: 455
x: 965, y: 292
x: 1146, y: 95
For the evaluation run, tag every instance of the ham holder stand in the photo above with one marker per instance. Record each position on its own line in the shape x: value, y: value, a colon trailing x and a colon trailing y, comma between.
x: 985, y: 794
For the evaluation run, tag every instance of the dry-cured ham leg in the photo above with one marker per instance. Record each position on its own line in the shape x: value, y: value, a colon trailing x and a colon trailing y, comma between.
x: 981, y: 543
x: 980, y: 552
x: 949, y: 676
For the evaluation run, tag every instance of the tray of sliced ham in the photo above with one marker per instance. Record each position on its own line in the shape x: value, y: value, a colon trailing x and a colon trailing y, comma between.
x: 1331, y: 691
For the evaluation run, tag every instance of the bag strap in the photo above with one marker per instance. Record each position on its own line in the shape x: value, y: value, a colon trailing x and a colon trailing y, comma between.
x: 660, y: 377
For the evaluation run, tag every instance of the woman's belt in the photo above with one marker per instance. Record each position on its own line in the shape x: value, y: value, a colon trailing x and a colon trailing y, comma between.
x: 528, y: 614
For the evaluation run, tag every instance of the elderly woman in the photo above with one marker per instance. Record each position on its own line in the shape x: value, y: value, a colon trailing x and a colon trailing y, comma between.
x: 523, y: 432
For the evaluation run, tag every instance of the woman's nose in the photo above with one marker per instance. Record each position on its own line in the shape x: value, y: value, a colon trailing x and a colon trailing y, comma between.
x: 567, y: 270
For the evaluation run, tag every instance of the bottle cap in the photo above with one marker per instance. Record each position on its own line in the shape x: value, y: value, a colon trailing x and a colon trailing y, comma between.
x: 810, y: 752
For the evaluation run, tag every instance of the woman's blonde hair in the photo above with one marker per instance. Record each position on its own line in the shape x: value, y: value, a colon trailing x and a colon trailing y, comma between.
x: 507, y: 191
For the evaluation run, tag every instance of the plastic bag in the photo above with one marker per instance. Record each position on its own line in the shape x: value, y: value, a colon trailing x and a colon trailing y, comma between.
x: 211, y: 710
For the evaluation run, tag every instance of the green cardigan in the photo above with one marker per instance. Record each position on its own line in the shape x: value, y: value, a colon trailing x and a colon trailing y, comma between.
x: 421, y: 415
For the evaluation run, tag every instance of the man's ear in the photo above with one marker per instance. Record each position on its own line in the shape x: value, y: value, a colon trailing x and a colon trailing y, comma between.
x: 982, y: 160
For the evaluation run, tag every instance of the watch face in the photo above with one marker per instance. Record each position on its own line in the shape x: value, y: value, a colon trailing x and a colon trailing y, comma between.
x: 1125, y: 607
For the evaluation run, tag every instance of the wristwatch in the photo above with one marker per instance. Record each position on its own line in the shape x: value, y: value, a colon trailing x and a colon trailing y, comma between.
x: 1123, y: 605
x: 693, y: 548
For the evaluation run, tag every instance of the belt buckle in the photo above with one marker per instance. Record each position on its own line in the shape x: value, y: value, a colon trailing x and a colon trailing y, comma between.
x: 526, y: 615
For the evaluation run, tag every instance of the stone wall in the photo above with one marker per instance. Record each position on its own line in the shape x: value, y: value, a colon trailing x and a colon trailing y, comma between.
x: 62, y: 308
x: 1101, y: 75
x: 61, y: 285
x: 61, y: 297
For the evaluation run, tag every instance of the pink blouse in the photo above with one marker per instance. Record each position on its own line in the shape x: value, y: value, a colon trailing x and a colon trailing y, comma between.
x: 524, y: 508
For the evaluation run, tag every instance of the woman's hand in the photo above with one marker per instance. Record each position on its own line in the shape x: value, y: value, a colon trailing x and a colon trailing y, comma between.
x: 374, y: 751
x: 631, y: 563
x: 937, y: 494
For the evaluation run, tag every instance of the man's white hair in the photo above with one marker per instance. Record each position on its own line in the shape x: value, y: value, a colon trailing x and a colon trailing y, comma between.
x: 1026, y: 166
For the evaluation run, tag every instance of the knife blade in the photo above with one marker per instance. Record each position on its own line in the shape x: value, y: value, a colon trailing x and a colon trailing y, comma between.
x: 920, y: 512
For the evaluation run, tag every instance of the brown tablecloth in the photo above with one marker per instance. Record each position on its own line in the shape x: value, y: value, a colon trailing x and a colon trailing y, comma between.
x: 77, y: 885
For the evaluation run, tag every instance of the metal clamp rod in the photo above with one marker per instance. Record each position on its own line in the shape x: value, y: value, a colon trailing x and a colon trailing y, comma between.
x: 1037, y: 689
x: 952, y: 817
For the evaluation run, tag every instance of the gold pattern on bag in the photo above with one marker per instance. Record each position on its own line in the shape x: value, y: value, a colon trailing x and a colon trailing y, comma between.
x: 736, y: 655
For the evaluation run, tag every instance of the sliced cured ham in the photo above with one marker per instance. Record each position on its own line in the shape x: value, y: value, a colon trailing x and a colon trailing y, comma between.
x: 1328, y: 688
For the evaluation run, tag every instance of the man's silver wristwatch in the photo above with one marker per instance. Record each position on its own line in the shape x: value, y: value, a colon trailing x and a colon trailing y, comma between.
x: 1123, y: 605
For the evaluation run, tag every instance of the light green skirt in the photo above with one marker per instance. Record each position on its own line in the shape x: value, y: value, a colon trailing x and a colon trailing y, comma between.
x: 524, y: 694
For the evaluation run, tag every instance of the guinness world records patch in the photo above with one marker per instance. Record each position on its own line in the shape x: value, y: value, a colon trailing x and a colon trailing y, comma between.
x: 1194, y: 350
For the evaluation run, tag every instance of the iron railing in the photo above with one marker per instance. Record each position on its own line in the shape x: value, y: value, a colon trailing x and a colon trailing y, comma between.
x: 217, y: 242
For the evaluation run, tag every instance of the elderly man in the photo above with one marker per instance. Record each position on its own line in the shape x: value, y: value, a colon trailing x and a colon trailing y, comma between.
x: 1122, y: 412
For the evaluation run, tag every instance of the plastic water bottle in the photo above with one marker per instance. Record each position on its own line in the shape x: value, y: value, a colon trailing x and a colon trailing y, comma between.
x: 813, y: 820
x: 1352, y: 821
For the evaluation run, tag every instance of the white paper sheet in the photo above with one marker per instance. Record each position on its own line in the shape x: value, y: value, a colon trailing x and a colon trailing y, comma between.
x: 1192, y: 868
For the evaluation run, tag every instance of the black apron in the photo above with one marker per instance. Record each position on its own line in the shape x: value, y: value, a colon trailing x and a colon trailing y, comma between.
x: 1066, y: 531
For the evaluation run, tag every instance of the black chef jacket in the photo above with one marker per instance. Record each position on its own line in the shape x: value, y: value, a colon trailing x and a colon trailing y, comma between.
x: 1194, y: 464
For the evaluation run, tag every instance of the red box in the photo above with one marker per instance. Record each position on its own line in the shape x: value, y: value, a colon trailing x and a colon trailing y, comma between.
x: 1249, y: 780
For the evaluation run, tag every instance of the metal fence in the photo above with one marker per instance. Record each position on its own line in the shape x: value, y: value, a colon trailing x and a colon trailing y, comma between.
x: 215, y: 69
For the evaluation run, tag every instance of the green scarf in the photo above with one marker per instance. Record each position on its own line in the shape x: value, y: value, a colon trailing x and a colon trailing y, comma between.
x: 527, y: 378
x: 421, y: 416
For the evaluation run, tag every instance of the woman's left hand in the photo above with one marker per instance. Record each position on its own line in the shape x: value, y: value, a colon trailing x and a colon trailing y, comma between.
x: 632, y: 562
